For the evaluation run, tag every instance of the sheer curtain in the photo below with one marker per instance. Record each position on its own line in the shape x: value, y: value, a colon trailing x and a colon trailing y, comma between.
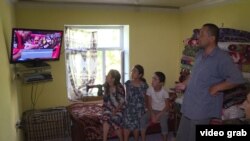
x: 81, y: 61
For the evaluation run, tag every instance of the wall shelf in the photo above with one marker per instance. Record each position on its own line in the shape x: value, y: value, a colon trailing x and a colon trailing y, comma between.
x: 35, y: 74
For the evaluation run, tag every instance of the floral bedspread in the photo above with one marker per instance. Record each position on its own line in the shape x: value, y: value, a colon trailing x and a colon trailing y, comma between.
x: 87, y: 117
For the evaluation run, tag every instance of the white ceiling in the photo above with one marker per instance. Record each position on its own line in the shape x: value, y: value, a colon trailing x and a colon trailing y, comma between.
x: 173, y: 4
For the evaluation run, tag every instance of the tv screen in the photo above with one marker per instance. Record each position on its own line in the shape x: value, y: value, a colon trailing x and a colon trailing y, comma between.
x: 35, y: 45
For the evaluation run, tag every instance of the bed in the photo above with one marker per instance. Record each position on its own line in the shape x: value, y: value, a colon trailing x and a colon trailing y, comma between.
x: 86, y: 125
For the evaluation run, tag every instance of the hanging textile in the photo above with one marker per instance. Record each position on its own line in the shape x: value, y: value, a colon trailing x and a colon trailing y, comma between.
x: 81, y: 61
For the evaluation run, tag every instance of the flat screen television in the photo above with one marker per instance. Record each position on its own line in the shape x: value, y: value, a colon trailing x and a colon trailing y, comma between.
x: 34, y: 46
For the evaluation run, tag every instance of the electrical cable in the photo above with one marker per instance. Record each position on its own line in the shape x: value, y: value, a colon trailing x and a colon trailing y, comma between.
x: 32, y: 99
x: 40, y: 93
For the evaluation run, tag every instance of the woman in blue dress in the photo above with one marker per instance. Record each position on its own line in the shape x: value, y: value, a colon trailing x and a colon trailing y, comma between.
x: 135, y: 102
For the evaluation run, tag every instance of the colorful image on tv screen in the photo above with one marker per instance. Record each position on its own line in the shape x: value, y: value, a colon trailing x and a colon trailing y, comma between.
x: 35, y: 45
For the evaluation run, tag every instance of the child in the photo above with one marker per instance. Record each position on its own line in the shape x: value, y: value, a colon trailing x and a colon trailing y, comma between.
x: 135, y: 102
x: 113, y: 104
x: 158, y: 101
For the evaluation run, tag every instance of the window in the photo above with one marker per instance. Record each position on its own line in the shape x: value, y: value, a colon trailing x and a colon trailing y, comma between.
x: 91, y: 51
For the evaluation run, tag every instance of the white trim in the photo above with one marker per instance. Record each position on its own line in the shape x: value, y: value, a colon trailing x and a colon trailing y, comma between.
x: 126, y: 53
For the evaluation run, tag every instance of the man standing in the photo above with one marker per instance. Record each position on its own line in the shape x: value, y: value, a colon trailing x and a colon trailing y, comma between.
x: 213, y: 72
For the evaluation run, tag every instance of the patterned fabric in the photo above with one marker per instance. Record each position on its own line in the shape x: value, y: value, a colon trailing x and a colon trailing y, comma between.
x: 235, y: 96
x: 233, y: 35
x: 233, y: 112
x: 191, y: 42
x: 187, y: 61
x: 135, y: 105
x: 113, y: 101
x: 81, y: 61
x: 186, y: 65
x: 188, y: 55
x: 234, y: 46
x: 228, y: 35
x: 190, y: 51
x: 184, y: 74
x: 240, y: 52
x: 196, y: 33
x: 87, y: 117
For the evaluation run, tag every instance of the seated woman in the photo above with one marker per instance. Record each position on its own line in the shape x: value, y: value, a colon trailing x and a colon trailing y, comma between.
x: 113, y: 104
x: 158, y: 106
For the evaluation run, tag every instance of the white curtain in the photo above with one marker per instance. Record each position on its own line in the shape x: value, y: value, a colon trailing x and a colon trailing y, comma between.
x: 81, y: 61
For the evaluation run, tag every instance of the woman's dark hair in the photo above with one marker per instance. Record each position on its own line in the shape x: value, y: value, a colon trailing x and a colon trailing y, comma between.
x: 116, y: 75
x: 141, y: 72
x: 161, y: 76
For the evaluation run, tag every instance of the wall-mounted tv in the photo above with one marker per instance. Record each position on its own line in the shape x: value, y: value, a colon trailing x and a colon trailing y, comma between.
x: 35, y: 45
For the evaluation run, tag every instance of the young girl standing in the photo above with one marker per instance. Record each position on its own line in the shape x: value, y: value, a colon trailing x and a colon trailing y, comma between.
x: 113, y: 104
x: 135, y: 102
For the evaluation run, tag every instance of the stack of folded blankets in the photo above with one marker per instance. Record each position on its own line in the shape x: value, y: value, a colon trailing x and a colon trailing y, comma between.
x: 237, y: 44
x: 233, y: 98
x: 188, y: 55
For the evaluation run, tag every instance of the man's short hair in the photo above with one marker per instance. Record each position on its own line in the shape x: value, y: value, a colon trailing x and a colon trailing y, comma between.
x: 213, y: 30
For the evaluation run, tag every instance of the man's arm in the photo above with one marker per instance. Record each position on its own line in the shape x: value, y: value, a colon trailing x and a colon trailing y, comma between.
x: 230, y: 73
x: 221, y: 87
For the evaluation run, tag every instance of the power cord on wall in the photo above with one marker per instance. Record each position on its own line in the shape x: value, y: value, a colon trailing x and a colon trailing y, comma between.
x: 34, y: 94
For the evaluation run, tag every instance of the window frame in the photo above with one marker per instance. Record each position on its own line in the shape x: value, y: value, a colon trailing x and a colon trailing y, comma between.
x: 124, y: 47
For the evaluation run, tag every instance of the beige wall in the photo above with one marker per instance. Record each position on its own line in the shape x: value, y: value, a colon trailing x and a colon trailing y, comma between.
x: 154, y: 34
x: 231, y: 15
x: 154, y: 37
x: 10, y: 107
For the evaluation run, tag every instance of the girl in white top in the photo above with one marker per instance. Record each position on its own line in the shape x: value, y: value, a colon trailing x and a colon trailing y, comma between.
x: 158, y: 106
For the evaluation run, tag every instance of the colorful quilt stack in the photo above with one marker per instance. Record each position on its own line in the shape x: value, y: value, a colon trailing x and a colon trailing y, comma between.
x: 188, y: 55
x: 237, y: 44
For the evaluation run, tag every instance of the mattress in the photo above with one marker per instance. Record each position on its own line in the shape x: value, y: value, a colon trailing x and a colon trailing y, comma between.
x: 86, y: 123
x: 87, y: 126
